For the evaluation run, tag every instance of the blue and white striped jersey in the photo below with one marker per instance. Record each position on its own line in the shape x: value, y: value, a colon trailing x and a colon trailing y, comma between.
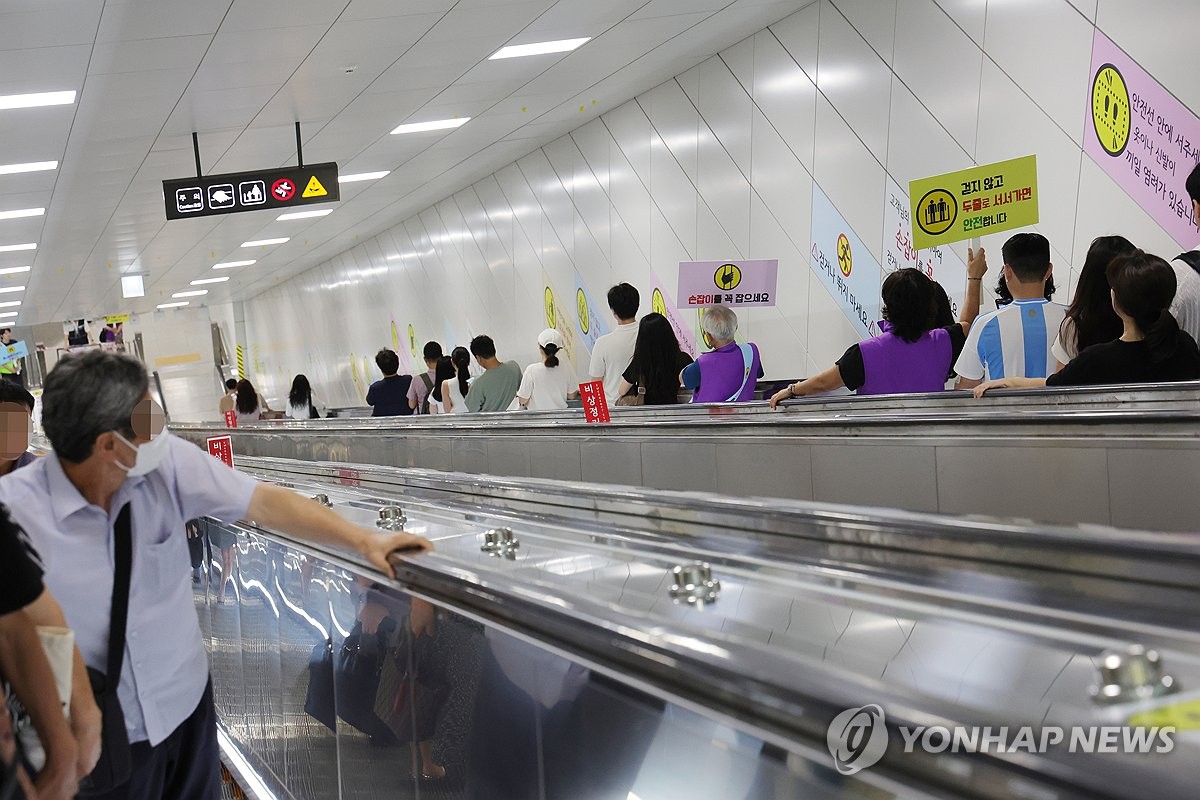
x: 1013, y: 341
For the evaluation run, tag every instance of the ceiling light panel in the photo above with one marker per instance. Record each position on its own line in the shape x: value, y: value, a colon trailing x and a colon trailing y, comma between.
x: 203, y: 281
x: 9, y: 101
x: 132, y: 286
x: 10, y: 313
x: 264, y: 242
x: 14, y: 270
x: 538, y: 48
x: 11, y: 289
x: 180, y: 304
x: 363, y: 176
x: 12, y: 248
x: 433, y: 125
x: 304, y: 214
x: 10, y: 304
x: 192, y: 293
x: 232, y: 264
x: 32, y: 166
x: 22, y: 212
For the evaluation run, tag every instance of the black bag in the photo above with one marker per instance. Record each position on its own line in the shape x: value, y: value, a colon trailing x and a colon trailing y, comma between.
x: 356, y: 680
x: 116, y: 758
x: 319, y: 702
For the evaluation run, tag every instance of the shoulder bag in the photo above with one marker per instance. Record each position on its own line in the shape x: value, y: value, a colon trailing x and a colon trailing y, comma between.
x: 116, y: 758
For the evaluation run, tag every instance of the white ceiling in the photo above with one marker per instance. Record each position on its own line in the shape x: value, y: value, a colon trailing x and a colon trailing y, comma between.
x: 242, y: 72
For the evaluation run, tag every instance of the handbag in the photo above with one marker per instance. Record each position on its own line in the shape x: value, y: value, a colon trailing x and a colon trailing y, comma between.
x: 319, y: 702
x: 116, y: 757
x: 634, y: 398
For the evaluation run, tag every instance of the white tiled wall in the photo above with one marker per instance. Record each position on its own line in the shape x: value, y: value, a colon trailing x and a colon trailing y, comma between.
x: 719, y: 163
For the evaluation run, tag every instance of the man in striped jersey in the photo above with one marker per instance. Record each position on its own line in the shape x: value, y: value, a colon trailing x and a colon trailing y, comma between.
x: 1015, y: 340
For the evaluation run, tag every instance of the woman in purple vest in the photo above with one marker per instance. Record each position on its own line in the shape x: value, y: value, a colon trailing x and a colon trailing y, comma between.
x: 911, y: 355
x: 730, y: 372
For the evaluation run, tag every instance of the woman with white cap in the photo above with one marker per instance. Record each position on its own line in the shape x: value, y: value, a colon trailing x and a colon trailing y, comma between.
x: 548, y: 384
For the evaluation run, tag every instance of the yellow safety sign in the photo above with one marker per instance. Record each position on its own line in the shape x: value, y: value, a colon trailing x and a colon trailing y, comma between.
x: 971, y: 202
x: 581, y: 306
x: 551, y: 315
x: 845, y: 255
x: 1110, y: 110
x: 395, y: 337
x: 657, y: 303
x: 412, y: 340
x: 114, y: 319
x: 314, y: 188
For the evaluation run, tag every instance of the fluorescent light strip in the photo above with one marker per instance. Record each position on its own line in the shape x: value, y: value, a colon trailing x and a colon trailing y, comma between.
x: 538, y: 48
x: 265, y: 242
x: 232, y: 264
x: 11, y: 289
x: 12, y: 248
x: 14, y: 270
x: 9, y: 313
x: 434, y: 125
x: 173, y: 305
x: 363, y: 176
x: 193, y: 293
x: 202, y: 281
x: 304, y: 215
x: 32, y: 166
x: 22, y: 212
x: 10, y: 304
x: 36, y: 100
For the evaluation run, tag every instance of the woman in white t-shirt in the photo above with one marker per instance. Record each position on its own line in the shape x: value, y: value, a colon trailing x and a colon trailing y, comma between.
x: 442, y: 373
x: 301, y: 403
x: 548, y: 385
x: 454, y: 390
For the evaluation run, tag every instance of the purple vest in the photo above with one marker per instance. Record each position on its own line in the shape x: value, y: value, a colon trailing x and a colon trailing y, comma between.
x: 722, y: 372
x: 894, y: 366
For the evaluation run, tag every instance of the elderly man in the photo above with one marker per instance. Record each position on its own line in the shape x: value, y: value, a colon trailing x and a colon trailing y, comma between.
x: 111, y: 453
x: 730, y: 372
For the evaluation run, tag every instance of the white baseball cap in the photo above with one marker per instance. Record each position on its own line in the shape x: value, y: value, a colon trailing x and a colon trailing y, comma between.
x: 550, y: 336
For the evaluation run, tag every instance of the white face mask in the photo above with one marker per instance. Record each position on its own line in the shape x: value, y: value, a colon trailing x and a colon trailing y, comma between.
x: 149, y: 455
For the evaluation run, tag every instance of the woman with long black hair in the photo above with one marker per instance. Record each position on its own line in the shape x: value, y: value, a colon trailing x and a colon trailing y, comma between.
x: 454, y: 391
x: 1151, y: 348
x: 249, y: 406
x: 301, y: 404
x: 1090, y: 318
x: 652, y: 378
x: 442, y: 373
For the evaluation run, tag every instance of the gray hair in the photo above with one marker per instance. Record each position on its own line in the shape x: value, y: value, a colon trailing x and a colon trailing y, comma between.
x: 91, y: 394
x: 720, y: 323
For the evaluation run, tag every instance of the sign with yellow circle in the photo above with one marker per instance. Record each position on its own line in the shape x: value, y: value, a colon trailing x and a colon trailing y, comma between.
x: 551, y: 315
x: 727, y: 277
x: 412, y: 340
x: 395, y: 337
x: 657, y: 303
x: 988, y: 198
x: 581, y: 305
x: 936, y: 212
x: 845, y: 255
x: 1110, y: 109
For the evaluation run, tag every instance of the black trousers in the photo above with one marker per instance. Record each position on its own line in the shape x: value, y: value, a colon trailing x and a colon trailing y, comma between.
x: 184, y: 766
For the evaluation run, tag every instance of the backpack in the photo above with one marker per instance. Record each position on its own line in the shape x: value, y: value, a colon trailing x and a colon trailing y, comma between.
x: 1191, y: 258
x: 428, y: 392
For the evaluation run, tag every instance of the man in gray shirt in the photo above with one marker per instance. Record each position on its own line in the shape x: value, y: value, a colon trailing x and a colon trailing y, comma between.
x: 495, y: 389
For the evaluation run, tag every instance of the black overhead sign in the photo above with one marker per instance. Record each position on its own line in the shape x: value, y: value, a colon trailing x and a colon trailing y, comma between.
x: 236, y: 192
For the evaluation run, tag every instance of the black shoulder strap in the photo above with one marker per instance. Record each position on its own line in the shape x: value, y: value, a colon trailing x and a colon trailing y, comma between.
x: 123, y: 549
x: 425, y: 379
x: 1191, y: 258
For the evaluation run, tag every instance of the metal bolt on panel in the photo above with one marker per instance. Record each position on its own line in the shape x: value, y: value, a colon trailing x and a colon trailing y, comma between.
x: 1134, y: 673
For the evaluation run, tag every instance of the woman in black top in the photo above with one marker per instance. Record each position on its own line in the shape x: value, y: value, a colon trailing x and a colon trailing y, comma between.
x: 653, y: 372
x: 1152, y: 348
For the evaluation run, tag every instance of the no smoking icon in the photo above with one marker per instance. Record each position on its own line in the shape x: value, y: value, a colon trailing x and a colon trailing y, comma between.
x: 283, y: 189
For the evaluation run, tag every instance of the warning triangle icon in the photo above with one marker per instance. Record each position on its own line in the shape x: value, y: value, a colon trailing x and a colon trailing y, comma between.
x: 314, y: 188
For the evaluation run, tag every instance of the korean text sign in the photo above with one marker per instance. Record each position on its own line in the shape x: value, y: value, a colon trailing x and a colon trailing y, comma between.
x: 844, y: 266
x: 12, y: 352
x: 1142, y: 137
x: 595, y: 405
x: 974, y: 201
x: 221, y: 447
x: 727, y: 283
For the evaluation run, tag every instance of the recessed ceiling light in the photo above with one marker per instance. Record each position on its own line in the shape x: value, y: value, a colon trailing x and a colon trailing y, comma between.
x: 14, y: 270
x: 538, y: 48
x: 10, y: 313
x: 202, y: 281
x: 133, y: 286
x: 22, y: 212
x: 433, y: 125
x: 11, y: 248
x: 37, y: 99
x: 10, y: 304
x: 232, y: 264
x: 32, y: 166
x: 363, y: 176
x: 304, y: 214
x: 11, y: 289
x: 264, y: 242
x: 192, y: 293
x: 173, y: 305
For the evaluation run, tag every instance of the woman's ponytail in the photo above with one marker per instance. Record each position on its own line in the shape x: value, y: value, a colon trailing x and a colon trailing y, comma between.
x: 551, y: 351
x: 1162, y: 336
x: 461, y: 358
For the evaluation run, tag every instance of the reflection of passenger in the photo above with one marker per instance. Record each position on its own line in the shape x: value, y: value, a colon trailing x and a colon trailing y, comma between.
x: 116, y: 468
